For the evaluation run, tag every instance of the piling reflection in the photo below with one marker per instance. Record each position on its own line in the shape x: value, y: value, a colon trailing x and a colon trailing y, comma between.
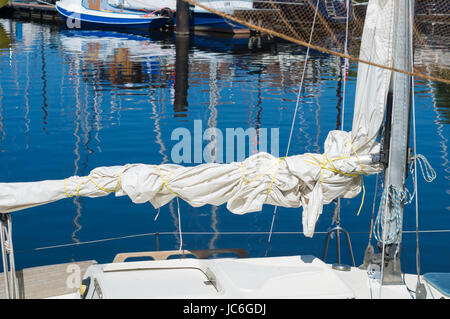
x: 109, y: 98
x: 5, y: 43
x: 116, y: 59
x: 180, y: 106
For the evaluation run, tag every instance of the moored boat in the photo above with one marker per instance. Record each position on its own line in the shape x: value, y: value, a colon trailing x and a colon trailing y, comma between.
x: 201, y: 19
x: 98, y: 13
x: 308, y: 180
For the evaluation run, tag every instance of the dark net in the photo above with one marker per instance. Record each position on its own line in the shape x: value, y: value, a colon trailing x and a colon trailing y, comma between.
x: 336, y: 26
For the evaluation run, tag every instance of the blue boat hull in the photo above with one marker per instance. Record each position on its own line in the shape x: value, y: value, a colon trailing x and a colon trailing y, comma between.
x: 213, y: 22
x: 95, y: 21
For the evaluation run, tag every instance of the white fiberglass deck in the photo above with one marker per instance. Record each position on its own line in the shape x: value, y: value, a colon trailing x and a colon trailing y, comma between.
x: 297, y: 277
x: 256, y: 278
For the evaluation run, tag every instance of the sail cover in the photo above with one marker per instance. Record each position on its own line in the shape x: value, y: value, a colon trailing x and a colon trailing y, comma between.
x: 307, y: 180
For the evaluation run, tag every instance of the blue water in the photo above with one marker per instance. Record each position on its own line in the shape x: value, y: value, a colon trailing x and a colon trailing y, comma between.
x: 71, y: 101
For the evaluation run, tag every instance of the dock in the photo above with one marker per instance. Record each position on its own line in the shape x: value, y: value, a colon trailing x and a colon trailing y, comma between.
x: 48, y: 281
x: 46, y: 12
x: 32, y: 10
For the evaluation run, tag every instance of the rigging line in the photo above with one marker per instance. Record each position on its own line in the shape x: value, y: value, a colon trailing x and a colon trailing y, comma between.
x: 179, y: 225
x: 343, y: 97
x: 235, y: 233
x: 373, y: 209
x: 345, y: 65
x: 384, y: 241
x: 293, y: 120
x: 413, y: 106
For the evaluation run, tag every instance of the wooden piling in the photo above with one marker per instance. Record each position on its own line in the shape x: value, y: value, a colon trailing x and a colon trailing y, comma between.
x: 182, y: 18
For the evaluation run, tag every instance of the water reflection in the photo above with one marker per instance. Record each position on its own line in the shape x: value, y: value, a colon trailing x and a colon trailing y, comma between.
x: 441, y: 98
x: 180, y: 105
x: 44, y: 83
x: 212, y: 146
x: 106, y: 98
x: 76, y: 151
x: 27, y: 101
x: 436, y: 98
x: 432, y: 56
x: 116, y: 59
x: 5, y: 41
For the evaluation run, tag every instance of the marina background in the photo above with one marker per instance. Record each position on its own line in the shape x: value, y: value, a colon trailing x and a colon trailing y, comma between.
x: 73, y: 100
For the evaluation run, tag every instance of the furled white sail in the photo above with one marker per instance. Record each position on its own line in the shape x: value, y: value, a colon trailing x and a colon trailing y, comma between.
x: 307, y: 180
x: 372, y: 84
x: 261, y: 179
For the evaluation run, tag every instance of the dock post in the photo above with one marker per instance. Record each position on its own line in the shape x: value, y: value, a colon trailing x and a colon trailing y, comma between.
x: 181, y: 74
x: 182, y: 18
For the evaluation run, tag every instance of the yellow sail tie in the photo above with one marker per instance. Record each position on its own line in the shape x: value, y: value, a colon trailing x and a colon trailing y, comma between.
x: 323, y: 165
x: 93, y: 182
x: 165, y: 180
x: 277, y: 164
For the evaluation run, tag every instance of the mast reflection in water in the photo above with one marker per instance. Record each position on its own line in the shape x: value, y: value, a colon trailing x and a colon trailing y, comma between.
x: 72, y: 100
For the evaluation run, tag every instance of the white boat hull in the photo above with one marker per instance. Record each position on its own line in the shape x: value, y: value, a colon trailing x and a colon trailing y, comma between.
x: 77, y: 16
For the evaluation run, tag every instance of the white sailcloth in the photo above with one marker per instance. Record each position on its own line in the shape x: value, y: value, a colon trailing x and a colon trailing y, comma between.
x: 294, y: 181
x: 307, y: 180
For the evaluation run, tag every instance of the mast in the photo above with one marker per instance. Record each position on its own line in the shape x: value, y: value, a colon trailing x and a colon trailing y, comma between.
x: 397, y: 121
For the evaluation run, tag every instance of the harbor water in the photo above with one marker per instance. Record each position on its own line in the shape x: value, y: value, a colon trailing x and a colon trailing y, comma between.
x: 74, y: 100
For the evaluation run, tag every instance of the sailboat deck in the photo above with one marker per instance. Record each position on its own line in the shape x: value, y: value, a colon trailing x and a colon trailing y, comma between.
x: 273, y: 277
x: 292, y: 277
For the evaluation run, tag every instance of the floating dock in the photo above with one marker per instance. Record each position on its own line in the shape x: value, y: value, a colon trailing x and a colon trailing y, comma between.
x: 48, y: 281
x: 46, y: 11
x: 32, y: 10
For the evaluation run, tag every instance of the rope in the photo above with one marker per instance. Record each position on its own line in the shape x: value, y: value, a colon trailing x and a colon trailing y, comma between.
x: 165, y: 181
x: 362, y: 179
x: 92, y: 181
x: 332, y: 168
x: 95, y: 241
x: 396, y: 197
x: 179, y: 225
x: 384, y: 200
x: 293, y: 118
x: 178, y: 203
x: 151, y: 13
x: 345, y: 65
x: 373, y: 209
x: 428, y: 173
x: 260, y: 174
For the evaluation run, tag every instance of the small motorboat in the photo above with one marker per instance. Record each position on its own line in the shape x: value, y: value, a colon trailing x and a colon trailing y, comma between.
x: 201, y: 18
x: 99, y: 13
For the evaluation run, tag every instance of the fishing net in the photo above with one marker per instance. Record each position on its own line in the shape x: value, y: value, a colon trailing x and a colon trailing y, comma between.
x: 335, y: 27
